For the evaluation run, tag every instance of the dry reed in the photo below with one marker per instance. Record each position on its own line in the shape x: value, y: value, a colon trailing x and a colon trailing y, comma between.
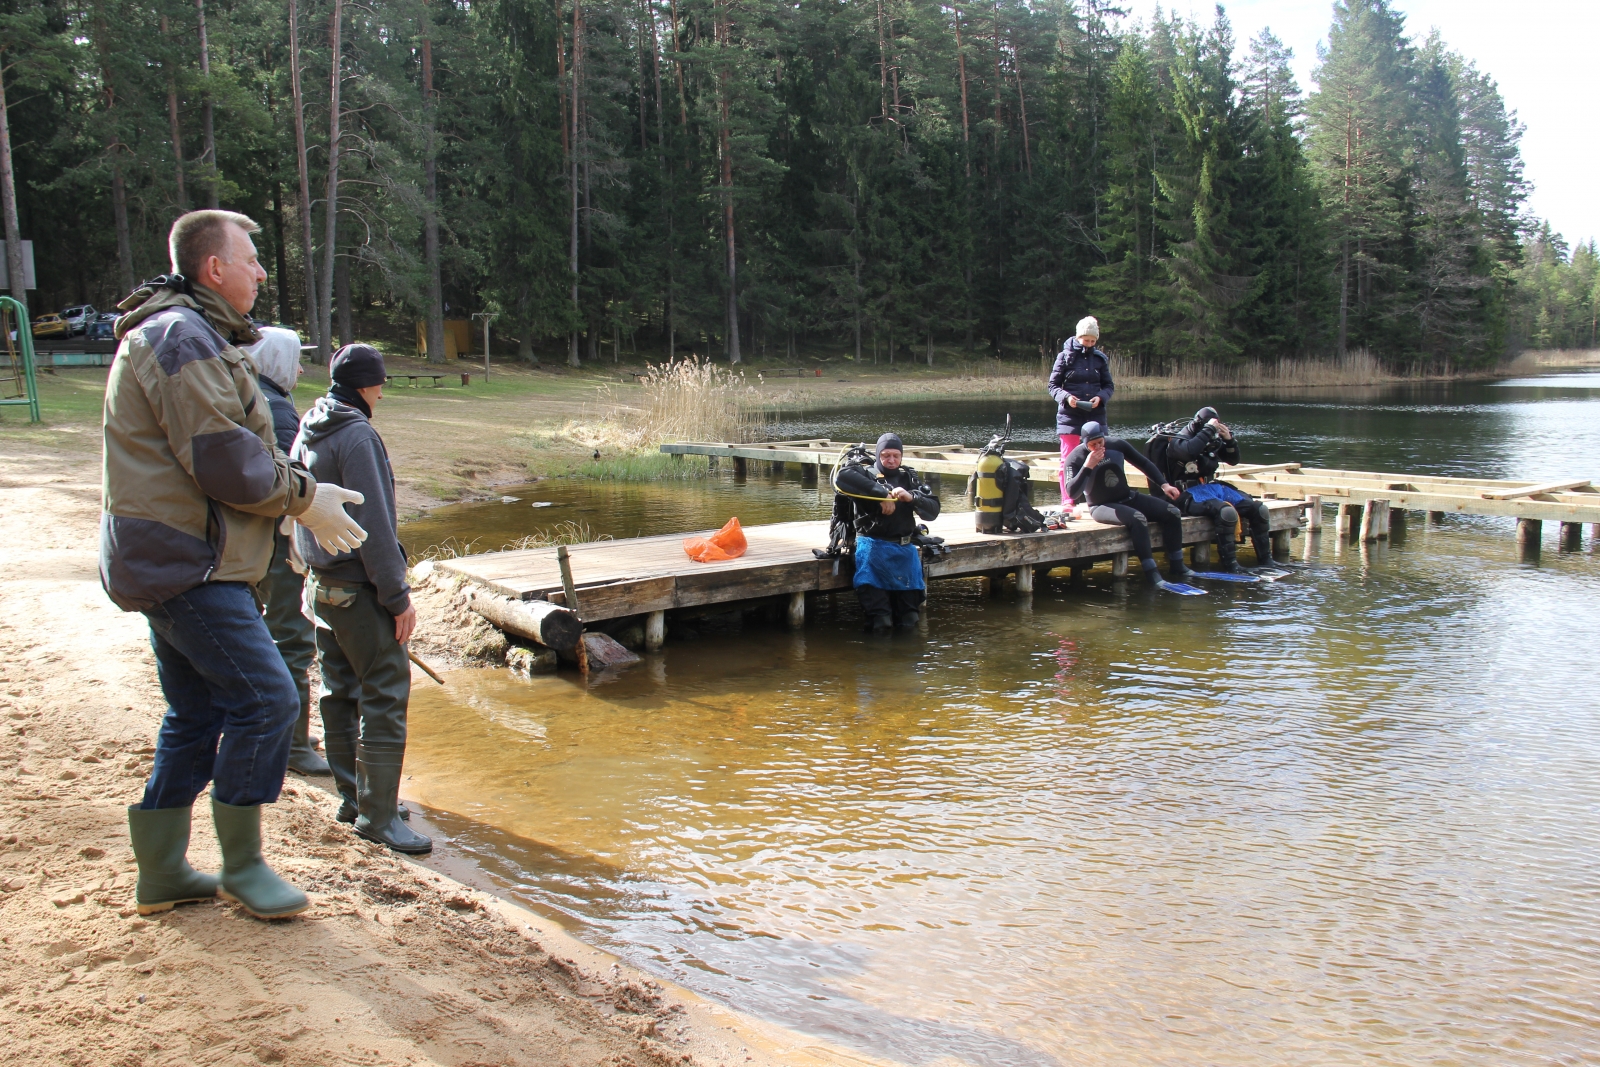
x: 562, y: 533
x: 685, y: 400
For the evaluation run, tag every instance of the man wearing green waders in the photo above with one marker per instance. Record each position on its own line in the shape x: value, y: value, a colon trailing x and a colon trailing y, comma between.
x: 362, y: 606
x: 888, y: 499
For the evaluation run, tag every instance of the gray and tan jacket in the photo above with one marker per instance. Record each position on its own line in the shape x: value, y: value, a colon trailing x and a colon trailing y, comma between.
x: 193, y: 482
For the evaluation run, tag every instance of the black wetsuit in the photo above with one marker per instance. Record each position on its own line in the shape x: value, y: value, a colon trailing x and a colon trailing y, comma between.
x: 856, y: 482
x: 1105, y: 488
x: 1192, y: 460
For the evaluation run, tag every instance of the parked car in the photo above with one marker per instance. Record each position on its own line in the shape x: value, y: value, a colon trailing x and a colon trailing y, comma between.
x: 103, y: 328
x: 79, y: 318
x: 50, y: 326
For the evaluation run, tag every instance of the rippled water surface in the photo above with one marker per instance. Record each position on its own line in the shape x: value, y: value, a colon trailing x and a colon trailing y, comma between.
x: 1351, y: 817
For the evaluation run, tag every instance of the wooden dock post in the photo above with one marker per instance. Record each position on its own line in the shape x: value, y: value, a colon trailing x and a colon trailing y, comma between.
x: 1347, y: 519
x: 1119, y: 565
x: 1529, y: 533
x: 1025, y: 579
x: 1201, y: 555
x: 740, y: 467
x: 1571, y: 536
x: 1396, y: 522
x: 935, y: 482
x: 1435, y: 517
x: 1373, y: 519
x: 1594, y: 535
x: 779, y: 466
x: 797, y: 611
x: 808, y: 473
x: 1280, y: 543
x: 655, y: 630
x: 1313, y: 513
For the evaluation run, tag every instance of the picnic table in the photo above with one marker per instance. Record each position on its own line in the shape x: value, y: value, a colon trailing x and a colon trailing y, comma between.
x: 412, y: 378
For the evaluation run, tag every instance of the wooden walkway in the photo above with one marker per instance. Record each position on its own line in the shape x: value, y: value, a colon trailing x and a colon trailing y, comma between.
x: 650, y: 575
x: 1569, y: 501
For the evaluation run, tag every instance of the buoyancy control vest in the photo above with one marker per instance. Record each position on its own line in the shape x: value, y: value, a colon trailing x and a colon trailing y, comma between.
x: 849, y: 519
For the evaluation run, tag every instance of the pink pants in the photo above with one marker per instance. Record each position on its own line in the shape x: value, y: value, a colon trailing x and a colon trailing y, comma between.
x: 1069, y: 441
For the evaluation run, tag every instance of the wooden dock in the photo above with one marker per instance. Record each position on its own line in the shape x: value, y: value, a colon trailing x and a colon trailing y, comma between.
x: 1571, y: 502
x: 649, y: 576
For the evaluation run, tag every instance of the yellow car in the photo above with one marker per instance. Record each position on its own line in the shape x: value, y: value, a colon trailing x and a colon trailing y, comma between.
x: 49, y: 326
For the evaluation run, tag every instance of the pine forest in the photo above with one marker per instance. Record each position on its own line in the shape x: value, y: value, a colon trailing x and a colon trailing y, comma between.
x: 880, y: 179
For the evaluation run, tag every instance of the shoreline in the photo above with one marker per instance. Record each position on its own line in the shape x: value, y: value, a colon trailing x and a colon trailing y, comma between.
x: 398, y: 960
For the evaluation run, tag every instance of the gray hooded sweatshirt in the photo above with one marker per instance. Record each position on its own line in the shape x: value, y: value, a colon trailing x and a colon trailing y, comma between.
x: 339, y: 442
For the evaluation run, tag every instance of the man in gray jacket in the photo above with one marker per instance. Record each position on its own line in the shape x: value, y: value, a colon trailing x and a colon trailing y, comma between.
x: 193, y: 484
x: 362, y: 604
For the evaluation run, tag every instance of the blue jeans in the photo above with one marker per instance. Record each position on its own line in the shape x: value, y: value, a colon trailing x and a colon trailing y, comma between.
x: 231, y: 702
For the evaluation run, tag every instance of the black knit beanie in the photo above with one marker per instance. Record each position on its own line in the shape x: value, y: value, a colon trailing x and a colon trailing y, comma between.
x: 357, y: 367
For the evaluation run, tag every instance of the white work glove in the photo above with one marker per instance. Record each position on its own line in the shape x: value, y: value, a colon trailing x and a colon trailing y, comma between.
x: 328, y: 522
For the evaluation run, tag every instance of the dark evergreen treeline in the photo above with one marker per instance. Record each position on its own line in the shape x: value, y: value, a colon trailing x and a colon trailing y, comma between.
x: 737, y: 176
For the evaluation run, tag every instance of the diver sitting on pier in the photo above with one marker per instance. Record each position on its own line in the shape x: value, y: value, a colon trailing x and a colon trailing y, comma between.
x: 887, y: 499
x: 1189, y: 456
x: 1096, y: 473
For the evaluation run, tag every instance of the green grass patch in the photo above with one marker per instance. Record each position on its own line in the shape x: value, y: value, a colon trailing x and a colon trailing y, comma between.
x: 645, y: 467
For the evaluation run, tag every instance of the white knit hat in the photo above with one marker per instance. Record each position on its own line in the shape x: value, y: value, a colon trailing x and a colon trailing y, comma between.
x: 1088, y: 326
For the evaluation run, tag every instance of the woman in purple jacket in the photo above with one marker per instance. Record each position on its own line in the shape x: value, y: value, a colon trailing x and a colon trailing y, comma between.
x: 1081, y: 386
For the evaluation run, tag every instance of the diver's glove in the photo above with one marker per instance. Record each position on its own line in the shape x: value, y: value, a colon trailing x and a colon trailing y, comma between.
x: 329, y: 523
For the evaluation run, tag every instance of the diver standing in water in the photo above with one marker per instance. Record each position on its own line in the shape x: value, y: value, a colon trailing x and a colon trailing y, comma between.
x: 888, y: 499
x: 1191, y: 458
x: 1097, y: 474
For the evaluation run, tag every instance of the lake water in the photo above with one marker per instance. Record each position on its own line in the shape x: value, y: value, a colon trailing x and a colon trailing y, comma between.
x: 1350, y: 817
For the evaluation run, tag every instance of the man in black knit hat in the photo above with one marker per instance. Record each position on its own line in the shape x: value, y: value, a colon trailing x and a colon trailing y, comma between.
x: 888, y: 498
x: 362, y: 604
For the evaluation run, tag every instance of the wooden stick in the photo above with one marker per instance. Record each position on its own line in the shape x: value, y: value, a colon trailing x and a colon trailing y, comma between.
x: 429, y: 671
x: 564, y: 561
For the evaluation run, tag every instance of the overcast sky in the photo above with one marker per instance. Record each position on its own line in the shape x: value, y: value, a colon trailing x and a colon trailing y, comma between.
x: 1544, y: 53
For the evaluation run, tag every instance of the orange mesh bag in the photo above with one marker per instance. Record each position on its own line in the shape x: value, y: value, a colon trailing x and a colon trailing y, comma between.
x: 726, y: 543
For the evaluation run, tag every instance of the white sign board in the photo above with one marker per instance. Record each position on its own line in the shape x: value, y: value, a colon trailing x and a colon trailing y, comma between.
x: 27, y: 267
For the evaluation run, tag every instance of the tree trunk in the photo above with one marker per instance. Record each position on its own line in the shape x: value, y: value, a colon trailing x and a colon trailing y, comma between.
x: 119, y: 191
x: 437, y: 352
x: 341, y: 294
x: 207, y: 125
x: 177, y: 130
x: 330, y: 209
x: 308, y: 249
x: 8, y: 202
x: 725, y: 150
x: 573, y: 357
x: 119, y: 211
x: 677, y: 54
x: 961, y: 63
x: 281, y: 258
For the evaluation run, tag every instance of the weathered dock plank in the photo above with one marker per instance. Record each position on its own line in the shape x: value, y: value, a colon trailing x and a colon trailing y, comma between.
x: 641, y: 575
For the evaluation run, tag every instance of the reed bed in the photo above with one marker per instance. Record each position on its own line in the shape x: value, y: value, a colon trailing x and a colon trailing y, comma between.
x: 647, y: 467
x: 684, y: 400
x: 562, y: 533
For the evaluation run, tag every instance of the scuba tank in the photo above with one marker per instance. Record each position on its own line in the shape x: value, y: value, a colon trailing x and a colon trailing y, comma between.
x: 988, y: 495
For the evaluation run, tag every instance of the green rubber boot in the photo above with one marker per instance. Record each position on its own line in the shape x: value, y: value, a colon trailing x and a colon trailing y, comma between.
x: 246, y: 878
x: 161, y: 845
x: 378, y: 791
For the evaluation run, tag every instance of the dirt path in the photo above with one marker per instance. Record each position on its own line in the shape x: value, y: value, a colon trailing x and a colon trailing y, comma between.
x: 393, y: 964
